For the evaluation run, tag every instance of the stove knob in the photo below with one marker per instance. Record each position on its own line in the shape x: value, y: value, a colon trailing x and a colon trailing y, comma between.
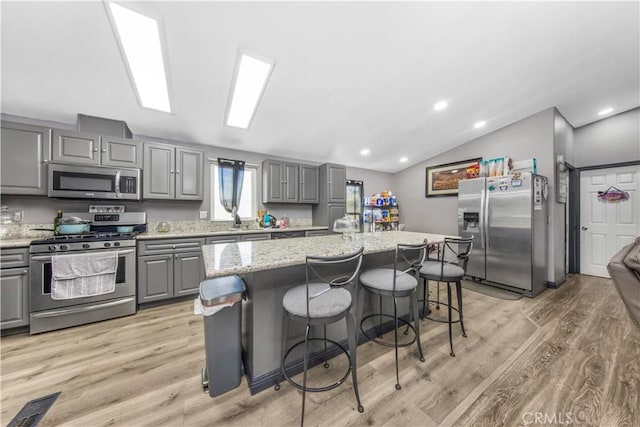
x: 116, y: 243
x: 86, y: 246
x: 107, y: 244
x: 52, y: 248
x: 64, y: 247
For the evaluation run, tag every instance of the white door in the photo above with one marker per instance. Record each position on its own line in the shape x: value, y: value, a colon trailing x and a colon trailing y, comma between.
x: 607, y: 227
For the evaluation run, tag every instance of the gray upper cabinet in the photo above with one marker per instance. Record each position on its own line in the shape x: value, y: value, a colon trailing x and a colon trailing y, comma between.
x: 171, y: 172
x: 309, y: 177
x: 332, y: 195
x: 189, y: 174
x: 93, y: 149
x: 337, y: 183
x: 76, y: 147
x: 291, y: 180
x: 25, y: 152
x: 285, y: 182
x: 120, y: 152
x: 272, y: 181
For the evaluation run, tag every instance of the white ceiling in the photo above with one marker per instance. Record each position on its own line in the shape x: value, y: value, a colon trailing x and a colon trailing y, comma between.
x: 347, y: 75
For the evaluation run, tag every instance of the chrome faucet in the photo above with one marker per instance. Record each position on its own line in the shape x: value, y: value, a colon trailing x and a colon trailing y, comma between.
x: 236, y: 218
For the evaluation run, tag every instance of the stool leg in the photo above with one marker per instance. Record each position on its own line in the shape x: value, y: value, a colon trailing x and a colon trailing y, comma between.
x: 425, y: 292
x: 395, y: 336
x: 304, y: 375
x: 414, y: 310
x: 380, y: 319
x: 285, y: 336
x: 438, y: 296
x: 326, y: 364
x: 452, y: 354
x: 359, y: 303
x: 353, y: 346
x: 459, y: 295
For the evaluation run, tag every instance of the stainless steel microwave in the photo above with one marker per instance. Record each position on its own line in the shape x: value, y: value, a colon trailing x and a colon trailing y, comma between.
x: 93, y: 182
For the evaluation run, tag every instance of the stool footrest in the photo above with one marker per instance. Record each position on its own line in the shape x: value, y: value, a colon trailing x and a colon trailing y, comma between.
x: 386, y: 344
x: 316, y: 389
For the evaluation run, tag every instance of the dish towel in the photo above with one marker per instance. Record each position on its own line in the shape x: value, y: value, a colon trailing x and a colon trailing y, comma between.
x: 83, y: 275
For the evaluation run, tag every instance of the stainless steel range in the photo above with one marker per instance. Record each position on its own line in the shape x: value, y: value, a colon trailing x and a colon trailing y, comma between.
x: 47, y: 314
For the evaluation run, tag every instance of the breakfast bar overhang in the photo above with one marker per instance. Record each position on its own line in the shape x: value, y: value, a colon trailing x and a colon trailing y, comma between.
x: 269, y: 268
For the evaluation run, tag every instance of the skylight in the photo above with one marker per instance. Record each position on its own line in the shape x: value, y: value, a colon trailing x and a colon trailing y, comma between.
x: 249, y: 83
x: 139, y: 39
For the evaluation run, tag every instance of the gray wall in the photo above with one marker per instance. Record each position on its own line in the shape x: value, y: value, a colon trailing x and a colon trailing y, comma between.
x: 374, y: 182
x: 613, y: 140
x: 563, y: 140
x: 527, y: 138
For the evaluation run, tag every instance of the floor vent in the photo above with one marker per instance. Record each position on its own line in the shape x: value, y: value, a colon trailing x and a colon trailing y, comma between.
x: 31, y: 413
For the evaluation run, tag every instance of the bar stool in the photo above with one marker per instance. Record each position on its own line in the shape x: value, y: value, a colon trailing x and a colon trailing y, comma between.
x: 457, y: 250
x: 395, y: 283
x: 320, y: 301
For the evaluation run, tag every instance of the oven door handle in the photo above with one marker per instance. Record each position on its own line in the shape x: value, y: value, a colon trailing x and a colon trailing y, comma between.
x: 48, y: 257
x: 53, y: 313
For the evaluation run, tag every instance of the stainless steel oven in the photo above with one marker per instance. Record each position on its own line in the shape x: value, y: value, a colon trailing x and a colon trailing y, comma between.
x: 47, y: 314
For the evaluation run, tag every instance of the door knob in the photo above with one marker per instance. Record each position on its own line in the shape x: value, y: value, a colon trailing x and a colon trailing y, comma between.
x: 584, y: 228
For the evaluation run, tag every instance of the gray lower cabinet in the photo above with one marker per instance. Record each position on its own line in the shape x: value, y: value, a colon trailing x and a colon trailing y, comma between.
x: 24, y: 152
x: 172, y: 173
x: 14, y: 288
x: 94, y: 149
x: 255, y: 237
x: 313, y: 233
x: 169, y: 268
x: 222, y: 239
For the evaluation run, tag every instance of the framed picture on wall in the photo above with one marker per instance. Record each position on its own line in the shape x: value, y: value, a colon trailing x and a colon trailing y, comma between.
x: 442, y: 180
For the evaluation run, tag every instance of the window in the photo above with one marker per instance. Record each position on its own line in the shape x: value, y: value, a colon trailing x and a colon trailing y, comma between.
x: 248, y: 203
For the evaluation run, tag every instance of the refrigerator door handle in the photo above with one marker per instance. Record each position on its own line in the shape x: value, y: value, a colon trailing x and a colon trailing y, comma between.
x: 484, y: 207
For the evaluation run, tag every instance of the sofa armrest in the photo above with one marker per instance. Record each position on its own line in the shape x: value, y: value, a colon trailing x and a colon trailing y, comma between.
x: 626, y: 282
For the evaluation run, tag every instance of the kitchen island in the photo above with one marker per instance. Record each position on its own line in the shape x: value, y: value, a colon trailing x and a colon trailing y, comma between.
x: 270, y: 268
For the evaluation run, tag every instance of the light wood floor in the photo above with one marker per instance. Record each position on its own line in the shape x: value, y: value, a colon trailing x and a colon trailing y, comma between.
x: 571, y: 353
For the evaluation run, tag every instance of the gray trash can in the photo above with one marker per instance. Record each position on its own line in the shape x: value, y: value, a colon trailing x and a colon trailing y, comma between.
x: 222, y: 333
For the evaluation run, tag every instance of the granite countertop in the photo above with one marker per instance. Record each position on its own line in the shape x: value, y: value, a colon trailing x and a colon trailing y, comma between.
x: 15, y: 243
x: 245, y: 257
x: 199, y: 233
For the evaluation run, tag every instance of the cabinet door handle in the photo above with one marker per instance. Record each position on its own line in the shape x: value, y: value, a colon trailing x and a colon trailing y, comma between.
x: 45, y: 161
x: 95, y: 150
x: 178, y: 172
x: 171, y: 171
x: 104, y: 150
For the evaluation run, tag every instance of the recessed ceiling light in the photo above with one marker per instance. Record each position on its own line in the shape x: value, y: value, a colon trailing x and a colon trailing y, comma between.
x: 365, y: 151
x: 404, y: 159
x: 605, y: 111
x: 139, y: 39
x: 479, y: 124
x: 250, y: 80
x: 440, y: 105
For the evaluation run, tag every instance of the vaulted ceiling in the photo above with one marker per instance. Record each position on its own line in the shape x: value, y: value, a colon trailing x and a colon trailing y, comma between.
x: 348, y: 75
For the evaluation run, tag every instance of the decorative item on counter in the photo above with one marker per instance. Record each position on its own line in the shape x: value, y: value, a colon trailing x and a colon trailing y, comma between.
x: 163, y: 227
x: 283, y: 222
x: 56, y: 222
x: 347, y: 226
x: 6, y: 217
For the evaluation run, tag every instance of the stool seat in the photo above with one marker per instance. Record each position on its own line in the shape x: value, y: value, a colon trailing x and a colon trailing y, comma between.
x: 382, y: 279
x: 450, y: 272
x: 329, y: 302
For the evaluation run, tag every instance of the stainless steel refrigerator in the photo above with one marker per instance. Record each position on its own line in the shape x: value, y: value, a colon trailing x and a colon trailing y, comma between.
x: 507, y: 218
